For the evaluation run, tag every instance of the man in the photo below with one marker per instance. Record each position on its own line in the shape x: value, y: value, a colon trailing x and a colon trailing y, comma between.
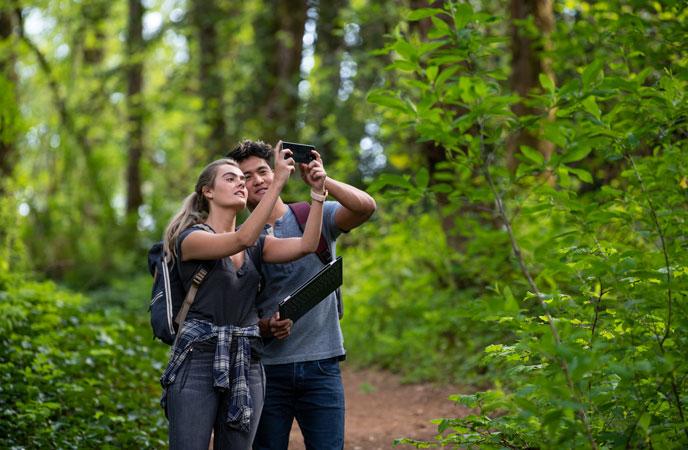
x: 302, y: 370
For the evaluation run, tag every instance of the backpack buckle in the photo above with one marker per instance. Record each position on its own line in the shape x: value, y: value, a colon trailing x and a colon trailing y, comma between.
x: 199, y: 276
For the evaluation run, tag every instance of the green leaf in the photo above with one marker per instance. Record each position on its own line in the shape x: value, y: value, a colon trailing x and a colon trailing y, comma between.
x: 592, y: 72
x: 644, y: 422
x: 463, y: 14
x: 583, y: 174
x: 576, y: 154
x: 402, y: 65
x: 590, y: 105
x: 440, y: 27
x: 444, y: 76
x: 510, y: 303
x: 390, y: 179
x: 431, y: 72
x: 422, y: 178
x: 546, y: 82
x: 441, y: 188
x: 532, y: 154
x: 406, y: 50
x: 422, y: 13
x: 388, y: 99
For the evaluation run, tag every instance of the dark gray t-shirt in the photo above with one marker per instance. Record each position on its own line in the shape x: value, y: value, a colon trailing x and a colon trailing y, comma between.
x: 316, y: 335
x: 227, y: 295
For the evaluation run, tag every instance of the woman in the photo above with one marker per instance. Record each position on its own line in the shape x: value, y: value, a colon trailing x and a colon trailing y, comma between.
x: 214, y: 379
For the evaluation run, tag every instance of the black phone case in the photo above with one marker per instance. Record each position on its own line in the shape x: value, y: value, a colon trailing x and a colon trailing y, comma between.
x: 301, y: 152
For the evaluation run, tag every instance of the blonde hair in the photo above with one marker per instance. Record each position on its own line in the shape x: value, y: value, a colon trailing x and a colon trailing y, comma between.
x: 195, y: 207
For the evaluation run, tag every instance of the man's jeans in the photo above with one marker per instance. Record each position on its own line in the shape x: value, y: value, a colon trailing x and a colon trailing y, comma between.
x: 195, y: 407
x: 312, y: 392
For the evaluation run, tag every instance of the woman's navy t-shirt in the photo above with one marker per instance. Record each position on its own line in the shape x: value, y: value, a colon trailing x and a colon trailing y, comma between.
x: 227, y: 296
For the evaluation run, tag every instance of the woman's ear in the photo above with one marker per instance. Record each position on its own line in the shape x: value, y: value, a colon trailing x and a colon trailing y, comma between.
x: 207, y: 193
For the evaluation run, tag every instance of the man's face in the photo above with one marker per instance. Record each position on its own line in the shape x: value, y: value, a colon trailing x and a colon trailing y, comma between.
x: 258, y: 178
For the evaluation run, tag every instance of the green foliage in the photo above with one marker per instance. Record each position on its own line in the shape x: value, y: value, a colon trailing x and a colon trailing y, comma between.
x: 593, y: 357
x: 412, y: 295
x: 75, y: 375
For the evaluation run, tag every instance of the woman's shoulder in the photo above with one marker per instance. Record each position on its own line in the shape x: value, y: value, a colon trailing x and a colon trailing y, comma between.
x: 196, y: 227
x: 190, y: 229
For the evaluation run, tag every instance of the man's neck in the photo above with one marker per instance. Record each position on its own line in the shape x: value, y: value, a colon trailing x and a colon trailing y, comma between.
x: 278, y: 211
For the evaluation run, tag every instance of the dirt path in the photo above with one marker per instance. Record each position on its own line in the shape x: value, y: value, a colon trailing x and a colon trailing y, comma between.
x: 379, y: 409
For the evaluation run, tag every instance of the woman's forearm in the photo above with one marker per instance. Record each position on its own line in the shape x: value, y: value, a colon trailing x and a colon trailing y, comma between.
x: 253, y: 226
x: 313, y: 228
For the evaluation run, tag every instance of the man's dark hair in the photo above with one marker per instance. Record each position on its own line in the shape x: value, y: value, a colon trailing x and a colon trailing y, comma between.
x: 248, y: 148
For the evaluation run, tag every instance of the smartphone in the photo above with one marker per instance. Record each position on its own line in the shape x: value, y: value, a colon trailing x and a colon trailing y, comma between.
x: 301, y: 152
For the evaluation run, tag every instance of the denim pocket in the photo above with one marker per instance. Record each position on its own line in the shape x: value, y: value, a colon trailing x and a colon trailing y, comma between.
x: 329, y: 367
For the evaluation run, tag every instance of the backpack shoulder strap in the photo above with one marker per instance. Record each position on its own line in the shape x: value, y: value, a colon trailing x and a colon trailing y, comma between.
x: 301, y: 211
x: 201, y: 272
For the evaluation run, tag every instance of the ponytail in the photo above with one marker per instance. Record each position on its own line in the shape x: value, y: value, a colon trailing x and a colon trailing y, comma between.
x: 189, y: 214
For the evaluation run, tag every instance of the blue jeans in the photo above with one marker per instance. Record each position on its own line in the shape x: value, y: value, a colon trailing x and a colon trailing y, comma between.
x: 195, y: 407
x: 310, y: 391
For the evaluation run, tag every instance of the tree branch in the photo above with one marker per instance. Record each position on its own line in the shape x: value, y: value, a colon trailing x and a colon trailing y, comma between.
x: 526, y: 273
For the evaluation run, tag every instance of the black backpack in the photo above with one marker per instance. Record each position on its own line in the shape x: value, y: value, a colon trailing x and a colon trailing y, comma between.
x: 170, y: 300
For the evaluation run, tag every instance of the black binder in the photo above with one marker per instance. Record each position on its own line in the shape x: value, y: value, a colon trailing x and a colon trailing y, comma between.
x: 312, y: 292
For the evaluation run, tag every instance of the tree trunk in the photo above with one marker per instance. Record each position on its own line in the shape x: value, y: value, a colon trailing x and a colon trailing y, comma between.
x: 205, y: 15
x: 329, y: 48
x: 526, y: 65
x: 134, y: 106
x: 10, y: 111
x: 283, y: 68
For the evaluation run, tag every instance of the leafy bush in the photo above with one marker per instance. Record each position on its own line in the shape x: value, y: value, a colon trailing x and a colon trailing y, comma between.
x: 407, y: 292
x: 594, y: 313
x: 73, y: 375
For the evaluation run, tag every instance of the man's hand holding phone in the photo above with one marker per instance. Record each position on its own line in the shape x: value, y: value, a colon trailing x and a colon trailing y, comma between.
x: 313, y: 173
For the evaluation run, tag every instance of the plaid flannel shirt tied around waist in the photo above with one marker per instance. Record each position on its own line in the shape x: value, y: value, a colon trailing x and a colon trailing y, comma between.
x: 230, y: 369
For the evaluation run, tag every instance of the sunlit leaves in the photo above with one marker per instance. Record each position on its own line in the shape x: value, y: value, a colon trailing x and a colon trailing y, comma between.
x: 591, y: 211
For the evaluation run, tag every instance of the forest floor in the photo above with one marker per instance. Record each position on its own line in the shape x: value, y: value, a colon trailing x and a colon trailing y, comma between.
x: 379, y: 409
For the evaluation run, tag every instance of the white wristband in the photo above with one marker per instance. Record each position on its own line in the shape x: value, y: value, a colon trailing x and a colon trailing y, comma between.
x: 319, y: 197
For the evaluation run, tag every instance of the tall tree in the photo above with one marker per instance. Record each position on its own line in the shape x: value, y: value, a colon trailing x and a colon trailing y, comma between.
x: 328, y: 48
x: 135, y: 107
x: 527, y: 64
x: 8, y: 105
x: 279, y: 32
x: 205, y: 16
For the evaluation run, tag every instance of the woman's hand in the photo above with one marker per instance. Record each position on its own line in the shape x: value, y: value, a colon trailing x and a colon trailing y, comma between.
x: 284, y: 164
x: 314, y: 173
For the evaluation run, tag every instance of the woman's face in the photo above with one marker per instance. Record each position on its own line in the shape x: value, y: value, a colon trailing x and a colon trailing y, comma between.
x: 229, y: 188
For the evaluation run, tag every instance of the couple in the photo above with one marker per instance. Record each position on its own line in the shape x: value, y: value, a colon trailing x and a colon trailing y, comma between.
x: 215, y: 379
